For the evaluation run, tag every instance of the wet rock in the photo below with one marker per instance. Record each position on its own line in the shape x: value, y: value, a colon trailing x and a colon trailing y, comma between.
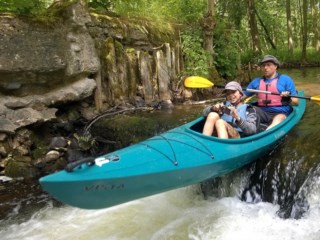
x: 58, y: 143
x: 20, y: 168
x: 5, y: 179
x: 167, y: 104
x: 88, y: 113
x: 52, y: 156
x: 3, y: 151
x: 21, y: 143
x: 3, y: 136
x: 7, y: 126
x: 18, y: 103
x: 74, y: 155
x: 139, y: 101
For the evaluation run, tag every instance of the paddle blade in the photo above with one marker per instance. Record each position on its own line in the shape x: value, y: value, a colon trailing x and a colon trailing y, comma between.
x: 316, y: 99
x: 197, y: 82
x: 250, y: 99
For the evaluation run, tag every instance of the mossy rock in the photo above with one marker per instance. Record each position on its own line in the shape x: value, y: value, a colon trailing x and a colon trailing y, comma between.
x: 125, y: 130
x: 17, y: 168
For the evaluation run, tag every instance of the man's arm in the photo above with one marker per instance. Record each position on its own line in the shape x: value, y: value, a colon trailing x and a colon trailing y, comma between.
x: 294, y: 101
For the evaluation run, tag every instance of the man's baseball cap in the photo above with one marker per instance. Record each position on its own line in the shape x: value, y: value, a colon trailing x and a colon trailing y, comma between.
x: 270, y: 58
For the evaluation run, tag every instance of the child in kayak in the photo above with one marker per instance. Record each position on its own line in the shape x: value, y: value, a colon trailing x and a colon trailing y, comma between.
x: 233, y: 118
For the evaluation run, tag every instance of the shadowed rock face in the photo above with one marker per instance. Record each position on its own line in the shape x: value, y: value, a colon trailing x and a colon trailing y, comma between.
x: 43, y: 66
x: 81, y: 55
x: 31, y: 61
x: 37, y: 58
x: 83, y: 63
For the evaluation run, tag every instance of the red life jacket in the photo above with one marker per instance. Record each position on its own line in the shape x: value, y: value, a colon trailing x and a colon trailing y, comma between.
x: 269, y: 99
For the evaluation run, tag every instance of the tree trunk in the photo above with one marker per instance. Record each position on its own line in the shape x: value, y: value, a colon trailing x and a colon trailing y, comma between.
x: 268, y: 37
x: 208, y: 26
x: 305, y: 30
x: 253, y: 28
x: 289, y: 28
x: 315, y: 13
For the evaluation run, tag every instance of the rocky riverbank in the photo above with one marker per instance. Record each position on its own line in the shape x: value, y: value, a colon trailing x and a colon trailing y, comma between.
x: 56, y: 77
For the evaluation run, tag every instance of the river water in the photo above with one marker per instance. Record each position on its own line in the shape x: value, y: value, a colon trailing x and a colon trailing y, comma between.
x: 185, y: 213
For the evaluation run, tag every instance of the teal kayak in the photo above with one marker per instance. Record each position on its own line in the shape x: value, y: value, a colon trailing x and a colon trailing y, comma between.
x: 177, y: 158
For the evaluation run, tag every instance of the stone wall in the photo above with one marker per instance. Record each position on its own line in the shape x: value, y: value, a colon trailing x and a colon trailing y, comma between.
x: 46, y: 66
x: 134, y: 63
x: 128, y: 62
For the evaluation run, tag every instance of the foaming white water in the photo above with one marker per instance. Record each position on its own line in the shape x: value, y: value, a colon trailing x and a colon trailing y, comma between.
x: 179, y: 214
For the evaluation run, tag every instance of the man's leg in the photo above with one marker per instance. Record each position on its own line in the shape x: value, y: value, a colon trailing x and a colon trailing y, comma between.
x: 276, y: 120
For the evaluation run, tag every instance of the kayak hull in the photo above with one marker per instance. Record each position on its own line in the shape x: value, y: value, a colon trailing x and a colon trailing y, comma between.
x: 174, y: 159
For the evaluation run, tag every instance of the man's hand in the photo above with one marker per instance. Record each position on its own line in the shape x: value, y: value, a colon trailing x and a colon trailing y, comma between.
x: 285, y: 94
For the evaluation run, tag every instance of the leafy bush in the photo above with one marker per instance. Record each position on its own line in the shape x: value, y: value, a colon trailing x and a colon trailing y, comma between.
x: 195, y: 57
x: 226, y: 52
x: 23, y: 7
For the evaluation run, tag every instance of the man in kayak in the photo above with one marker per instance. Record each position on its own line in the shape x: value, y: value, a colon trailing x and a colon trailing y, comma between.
x: 232, y: 118
x: 275, y: 107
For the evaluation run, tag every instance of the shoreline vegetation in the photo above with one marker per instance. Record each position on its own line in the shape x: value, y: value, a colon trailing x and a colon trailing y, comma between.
x: 217, y: 38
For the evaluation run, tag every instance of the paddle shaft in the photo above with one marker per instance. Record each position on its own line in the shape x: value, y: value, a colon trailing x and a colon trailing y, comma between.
x: 200, y: 82
x: 273, y: 93
x: 267, y: 92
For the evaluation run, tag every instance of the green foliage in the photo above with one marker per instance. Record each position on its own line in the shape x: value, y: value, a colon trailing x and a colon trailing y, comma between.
x: 187, y: 11
x: 226, y: 51
x: 45, y: 11
x: 195, y: 57
x: 86, y: 142
x: 282, y: 54
x: 248, y: 57
x: 99, y: 5
x: 23, y: 7
x: 232, y: 40
x: 174, y: 11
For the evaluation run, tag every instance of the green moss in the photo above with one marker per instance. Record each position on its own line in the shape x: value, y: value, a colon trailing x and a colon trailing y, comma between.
x: 108, y: 47
x: 126, y: 129
x: 157, y: 32
x: 118, y: 46
x: 130, y: 50
x: 19, y: 167
x: 39, y: 152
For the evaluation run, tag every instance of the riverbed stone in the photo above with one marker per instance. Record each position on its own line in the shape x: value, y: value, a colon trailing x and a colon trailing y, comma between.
x: 52, y: 156
x: 6, y: 126
x: 20, y: 168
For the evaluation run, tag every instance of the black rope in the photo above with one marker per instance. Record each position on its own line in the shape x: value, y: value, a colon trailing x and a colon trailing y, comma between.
x: 189, y: 145
x: 174, y: 161
x: 207, y: 152
x: 90, y: 160
x: 173, y: 152
x: 210, y: 153
x: 72, y: 165
x: 147, y: 145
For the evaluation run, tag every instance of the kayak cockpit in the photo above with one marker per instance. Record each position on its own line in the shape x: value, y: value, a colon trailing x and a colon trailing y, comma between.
x: 195, y: 127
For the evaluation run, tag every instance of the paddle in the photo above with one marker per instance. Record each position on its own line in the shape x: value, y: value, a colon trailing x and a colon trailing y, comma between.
x: 197, y: 82
x: 315, y: 98
x: 200, y: 82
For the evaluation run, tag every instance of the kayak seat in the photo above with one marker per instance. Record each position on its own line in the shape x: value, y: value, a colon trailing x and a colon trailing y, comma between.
x: 198, y: 127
